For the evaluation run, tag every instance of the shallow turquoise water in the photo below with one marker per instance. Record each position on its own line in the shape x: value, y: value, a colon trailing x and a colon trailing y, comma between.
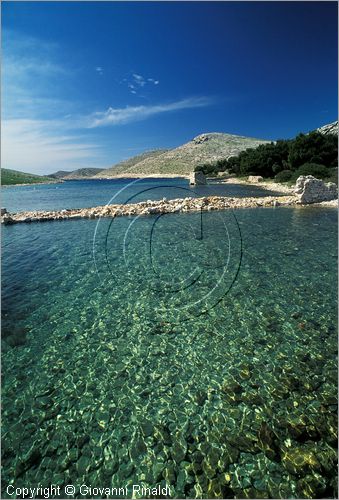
x: 91, y: 193
x: 142, y: 356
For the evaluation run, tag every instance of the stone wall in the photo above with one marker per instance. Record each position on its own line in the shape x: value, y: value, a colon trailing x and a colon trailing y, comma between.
x: 149, y: 207
x: 311, y: 190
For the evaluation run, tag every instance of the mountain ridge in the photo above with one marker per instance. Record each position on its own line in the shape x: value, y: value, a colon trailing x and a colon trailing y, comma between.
x: 80, y: 173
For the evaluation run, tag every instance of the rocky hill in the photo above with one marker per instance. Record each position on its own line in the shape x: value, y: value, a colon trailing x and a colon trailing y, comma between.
x: 60, y: 174
x: 80, y: 173
x: 331, y: 128
x: 205, y: 148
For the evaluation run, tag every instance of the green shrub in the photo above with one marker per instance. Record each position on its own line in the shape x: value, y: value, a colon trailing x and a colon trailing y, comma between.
x: 276, y: 168
x: 207, y: 169
x: 284, y: 176
x: 333, y: 176
x: 318, y: 171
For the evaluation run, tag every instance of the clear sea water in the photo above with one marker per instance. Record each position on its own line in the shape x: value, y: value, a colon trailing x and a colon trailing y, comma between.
x: 91, y: 193
x: 197, y: 351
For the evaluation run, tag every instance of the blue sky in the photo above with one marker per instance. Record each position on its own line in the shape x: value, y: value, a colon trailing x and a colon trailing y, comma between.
x: 91, y: 83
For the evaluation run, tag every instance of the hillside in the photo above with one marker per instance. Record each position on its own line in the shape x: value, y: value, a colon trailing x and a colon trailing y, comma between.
x: 80, y: 173
x: 11, y: 177
x: 205, y: 148
x: 128, y: 165
x: 59, y: 174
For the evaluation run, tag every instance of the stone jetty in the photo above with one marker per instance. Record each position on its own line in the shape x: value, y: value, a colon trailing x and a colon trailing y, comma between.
x: 308, y: 190
x: 150, y: 207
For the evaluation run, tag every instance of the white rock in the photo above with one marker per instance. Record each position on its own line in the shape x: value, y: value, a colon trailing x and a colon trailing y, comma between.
x: 255, y: 178
x: 7, y: 219
x: 152, y: 210
x: 312, y: 190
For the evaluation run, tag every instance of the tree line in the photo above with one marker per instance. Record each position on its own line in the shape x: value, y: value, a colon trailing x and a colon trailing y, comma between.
x: 307, y: 154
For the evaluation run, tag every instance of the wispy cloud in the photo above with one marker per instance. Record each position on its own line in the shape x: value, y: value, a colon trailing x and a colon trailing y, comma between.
x: 136, y: 82
x: 152, y: 80
x: 27, y: 56
x: 31, y: 76
x: 44, y: 125
x: 42, y: 146
x: 119, y: 116
x: 38, y: 129
x: 139, y: 80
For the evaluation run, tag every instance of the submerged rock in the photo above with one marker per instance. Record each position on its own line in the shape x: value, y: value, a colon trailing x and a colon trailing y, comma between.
x: 301, y: 460
x: 137, y: 449
x: 147, y: 428
x: 179, y: 450
x: 312, y: 486
x: 231, y: 386
x: 83, y: 465
x: 267, y: 441
x: 17, y: 339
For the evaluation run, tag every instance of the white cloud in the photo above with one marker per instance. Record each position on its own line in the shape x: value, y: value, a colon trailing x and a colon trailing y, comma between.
x: 41, y: 146
x: 137, y: 81
x: 43, y: 129
x: 31, y: 77
x: 119, y: 116
x: 37, y: 122
x: 27, y: 57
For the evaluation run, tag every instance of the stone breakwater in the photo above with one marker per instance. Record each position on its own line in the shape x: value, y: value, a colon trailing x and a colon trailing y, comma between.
x: 150, y: 207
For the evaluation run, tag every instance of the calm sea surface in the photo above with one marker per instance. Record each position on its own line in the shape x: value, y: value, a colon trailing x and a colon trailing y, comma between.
x: 91, y: 193
x: 187, y: 350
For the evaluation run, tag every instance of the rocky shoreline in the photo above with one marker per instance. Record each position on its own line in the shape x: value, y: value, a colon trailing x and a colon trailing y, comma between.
x: 151, y: 208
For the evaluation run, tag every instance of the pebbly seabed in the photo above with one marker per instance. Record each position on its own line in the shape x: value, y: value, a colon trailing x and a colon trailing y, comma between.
x: 100, y: 388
